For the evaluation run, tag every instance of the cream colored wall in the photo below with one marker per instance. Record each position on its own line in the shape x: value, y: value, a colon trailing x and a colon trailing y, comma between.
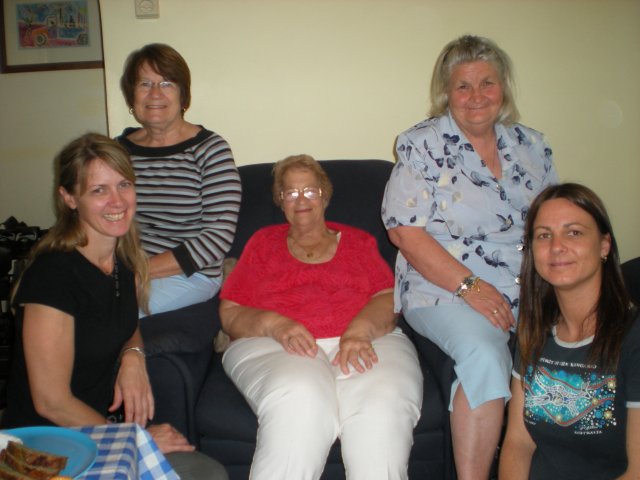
x: 341, y: 78
x: 39, y: 113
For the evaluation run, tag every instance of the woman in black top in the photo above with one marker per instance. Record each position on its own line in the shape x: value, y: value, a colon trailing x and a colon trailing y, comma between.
x: 79, y: 352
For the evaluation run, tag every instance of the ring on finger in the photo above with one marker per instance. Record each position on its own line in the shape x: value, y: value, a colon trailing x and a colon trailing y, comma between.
x: 495, y: 312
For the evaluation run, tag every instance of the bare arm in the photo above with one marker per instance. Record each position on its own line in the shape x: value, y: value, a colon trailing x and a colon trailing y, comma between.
x: 239, y: 321
x: 633, y: 445
x: 374, y: 320
x: 439, y: 267
x: 132, y: 385
x: 163, y: 265
x: 518, y: 447
x: 48, y: 337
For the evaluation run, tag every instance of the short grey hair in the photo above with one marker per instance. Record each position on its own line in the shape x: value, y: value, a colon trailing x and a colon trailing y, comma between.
x: 466, y: 49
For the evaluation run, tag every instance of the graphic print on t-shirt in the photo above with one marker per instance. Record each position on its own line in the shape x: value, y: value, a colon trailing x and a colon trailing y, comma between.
x: 572, y: 395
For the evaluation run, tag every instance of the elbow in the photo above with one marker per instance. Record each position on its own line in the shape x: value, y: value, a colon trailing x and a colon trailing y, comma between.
x: 48, y: 405
x: 395, y: 237
x: 226, y: 316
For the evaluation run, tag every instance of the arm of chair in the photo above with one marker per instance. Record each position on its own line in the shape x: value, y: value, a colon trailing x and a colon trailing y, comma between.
x: 176, y: 380
x: 179, y: 346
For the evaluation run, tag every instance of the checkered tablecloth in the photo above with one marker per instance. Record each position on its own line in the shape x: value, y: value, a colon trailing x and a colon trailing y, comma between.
x: 126, y: 452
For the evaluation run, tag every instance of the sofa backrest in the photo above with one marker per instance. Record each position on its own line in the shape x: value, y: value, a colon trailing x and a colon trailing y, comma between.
x: 358, y: 187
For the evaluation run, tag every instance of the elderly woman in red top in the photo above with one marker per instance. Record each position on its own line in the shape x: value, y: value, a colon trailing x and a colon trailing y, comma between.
x: 316, y: 350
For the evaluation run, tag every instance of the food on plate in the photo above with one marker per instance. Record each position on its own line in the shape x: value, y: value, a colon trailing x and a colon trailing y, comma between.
x: 19, y: 462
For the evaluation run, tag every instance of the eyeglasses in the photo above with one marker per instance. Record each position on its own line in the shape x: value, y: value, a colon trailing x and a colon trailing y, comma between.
x: 292, y: 194
x: 147, y: 85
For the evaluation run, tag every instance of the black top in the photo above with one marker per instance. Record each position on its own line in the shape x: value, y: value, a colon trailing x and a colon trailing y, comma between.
x: 577, y: 414
x: 103, y: 322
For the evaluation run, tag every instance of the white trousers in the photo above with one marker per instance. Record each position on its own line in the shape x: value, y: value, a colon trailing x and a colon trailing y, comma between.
x: 303, y: 404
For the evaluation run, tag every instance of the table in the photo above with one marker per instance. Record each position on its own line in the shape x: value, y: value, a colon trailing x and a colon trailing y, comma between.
x: 126, y: 452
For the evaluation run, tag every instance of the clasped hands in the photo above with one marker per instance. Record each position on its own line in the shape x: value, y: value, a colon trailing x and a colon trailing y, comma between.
x: 355, y: 349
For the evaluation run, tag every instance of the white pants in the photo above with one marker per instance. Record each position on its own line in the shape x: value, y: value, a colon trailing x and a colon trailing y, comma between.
x: 303, y: 404
x: 177, y: 291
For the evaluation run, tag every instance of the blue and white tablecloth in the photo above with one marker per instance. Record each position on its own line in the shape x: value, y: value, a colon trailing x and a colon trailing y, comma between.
x: 126, y: 452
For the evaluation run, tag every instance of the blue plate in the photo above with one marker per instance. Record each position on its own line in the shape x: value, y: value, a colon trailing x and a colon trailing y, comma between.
x: 80, y: 450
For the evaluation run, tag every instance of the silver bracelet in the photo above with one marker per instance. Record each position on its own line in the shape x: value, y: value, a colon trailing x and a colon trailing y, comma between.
x: 140, y: 350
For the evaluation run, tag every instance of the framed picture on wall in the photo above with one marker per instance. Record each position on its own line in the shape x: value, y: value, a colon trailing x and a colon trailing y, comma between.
x: 50, y: 35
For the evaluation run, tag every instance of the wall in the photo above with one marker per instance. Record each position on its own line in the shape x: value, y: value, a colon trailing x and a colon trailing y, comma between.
x: 39, y: 113
x: 341, y: 78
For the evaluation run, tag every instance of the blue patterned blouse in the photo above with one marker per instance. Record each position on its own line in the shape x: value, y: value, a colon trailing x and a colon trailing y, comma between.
x: 441, y: 184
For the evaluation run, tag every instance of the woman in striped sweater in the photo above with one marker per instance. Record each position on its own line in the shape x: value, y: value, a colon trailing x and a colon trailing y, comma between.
x: 186, y: 179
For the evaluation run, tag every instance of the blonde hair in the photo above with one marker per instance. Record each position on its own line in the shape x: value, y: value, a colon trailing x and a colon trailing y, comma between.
x: 302, y: 162
x: 467, y: 49
x: 70, y: 170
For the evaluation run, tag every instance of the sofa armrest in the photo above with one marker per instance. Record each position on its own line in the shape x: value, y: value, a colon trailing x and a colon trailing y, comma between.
x: 179, y: 346
x: 176, y: 380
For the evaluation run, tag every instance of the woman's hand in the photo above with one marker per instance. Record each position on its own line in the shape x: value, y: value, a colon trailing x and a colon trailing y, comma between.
x: 132, y: 388
x: 357, y: 351
x: 294, y: 337
x: 491, y: 303
x: 168, y: 439
x: 356, y: 343
x: 239, y: 321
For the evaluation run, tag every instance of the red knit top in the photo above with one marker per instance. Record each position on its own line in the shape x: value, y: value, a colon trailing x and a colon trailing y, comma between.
x: 324, y: 297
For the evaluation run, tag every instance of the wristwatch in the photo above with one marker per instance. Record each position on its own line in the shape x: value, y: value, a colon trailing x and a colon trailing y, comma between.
x: 467, y: 284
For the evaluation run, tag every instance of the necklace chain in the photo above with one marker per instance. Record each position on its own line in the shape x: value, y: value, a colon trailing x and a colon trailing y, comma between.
x: 310, y: 254
x: 116, y: 277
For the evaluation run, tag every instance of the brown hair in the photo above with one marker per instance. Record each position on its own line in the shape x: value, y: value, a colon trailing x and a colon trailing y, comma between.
x: 466, y: 49
x: 70, y: 167
x: 165, y: 61
x: 302, y: 162
x: 539, y: 308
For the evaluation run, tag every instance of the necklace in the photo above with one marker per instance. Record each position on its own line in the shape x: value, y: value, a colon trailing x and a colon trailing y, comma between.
x: 315, y: 252
x: 116, y: 277
x: 308, y: 254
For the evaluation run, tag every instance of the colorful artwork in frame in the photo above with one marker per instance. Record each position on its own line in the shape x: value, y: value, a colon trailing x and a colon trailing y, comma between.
x: 50, y: 35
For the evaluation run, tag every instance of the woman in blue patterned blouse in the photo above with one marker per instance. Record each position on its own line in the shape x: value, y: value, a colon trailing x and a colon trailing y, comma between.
x: 455, y: 206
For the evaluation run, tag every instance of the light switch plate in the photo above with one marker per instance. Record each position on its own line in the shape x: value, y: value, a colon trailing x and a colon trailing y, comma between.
x: 147, y: 8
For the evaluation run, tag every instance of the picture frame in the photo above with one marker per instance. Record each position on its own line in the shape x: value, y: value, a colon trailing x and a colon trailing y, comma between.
x: 40, y: 35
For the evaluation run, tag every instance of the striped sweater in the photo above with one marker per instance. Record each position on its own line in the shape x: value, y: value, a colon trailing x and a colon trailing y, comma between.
x: 188, y: 199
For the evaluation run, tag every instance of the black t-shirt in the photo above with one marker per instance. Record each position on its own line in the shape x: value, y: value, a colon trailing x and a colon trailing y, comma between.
x: 577, y: 415
x: 105, y: 317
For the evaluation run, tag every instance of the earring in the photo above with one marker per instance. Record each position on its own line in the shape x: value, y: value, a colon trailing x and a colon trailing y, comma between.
x: 604, y: 259
x: 130, y: 110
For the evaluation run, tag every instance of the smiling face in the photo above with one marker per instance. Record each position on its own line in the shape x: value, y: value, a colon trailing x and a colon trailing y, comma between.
x: 568, y: 247
x: 106, y: 205
x: 302, y: 212
x: 475, y: 96
x: 158, y: 106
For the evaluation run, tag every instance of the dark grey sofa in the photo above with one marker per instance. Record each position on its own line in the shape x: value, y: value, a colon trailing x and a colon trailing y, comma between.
x: 194, y: 394
x: 225, y: 425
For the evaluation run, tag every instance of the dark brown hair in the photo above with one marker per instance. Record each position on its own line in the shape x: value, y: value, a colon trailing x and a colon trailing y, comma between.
x: 165, y: 61
x: 539, y: 308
